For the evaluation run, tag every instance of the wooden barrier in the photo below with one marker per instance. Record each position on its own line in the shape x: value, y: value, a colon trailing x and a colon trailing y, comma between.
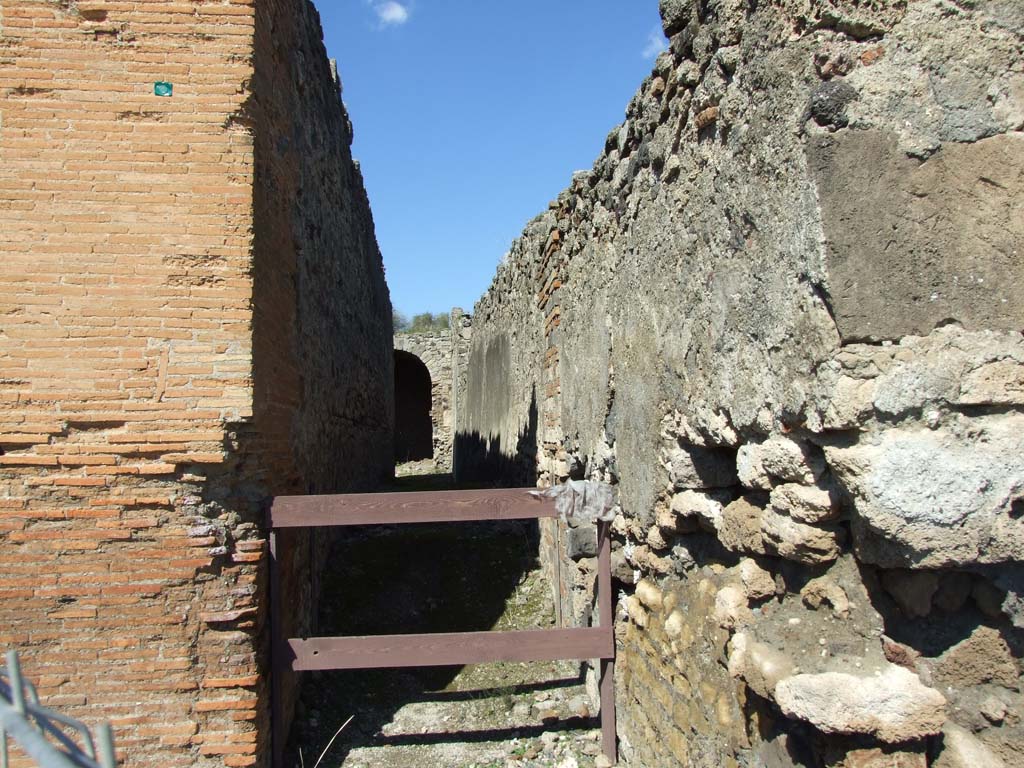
x: 435, y: 649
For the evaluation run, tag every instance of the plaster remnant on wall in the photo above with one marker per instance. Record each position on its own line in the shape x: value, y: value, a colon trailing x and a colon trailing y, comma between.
x: 813, y: 411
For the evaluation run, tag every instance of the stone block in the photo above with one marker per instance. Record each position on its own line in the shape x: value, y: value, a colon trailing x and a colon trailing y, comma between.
x: 581, y: 541
x: 936, y: 497
x: 693, y: 466
x: 893, y: 706
x: 891, y: 276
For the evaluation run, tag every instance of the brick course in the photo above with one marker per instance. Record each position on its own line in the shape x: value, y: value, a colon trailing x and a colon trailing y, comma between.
x: 147, y: 409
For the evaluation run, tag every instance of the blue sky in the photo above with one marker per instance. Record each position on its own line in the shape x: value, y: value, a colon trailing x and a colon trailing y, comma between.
x: 471, y: 115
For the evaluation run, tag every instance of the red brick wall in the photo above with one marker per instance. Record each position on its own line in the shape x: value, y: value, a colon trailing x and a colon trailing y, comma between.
x: 133, y: 473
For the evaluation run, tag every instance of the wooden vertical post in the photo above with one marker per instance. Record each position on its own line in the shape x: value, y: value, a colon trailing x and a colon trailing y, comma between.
x: 607, y: 618
x: 277, y: 735
x: 556, y: 554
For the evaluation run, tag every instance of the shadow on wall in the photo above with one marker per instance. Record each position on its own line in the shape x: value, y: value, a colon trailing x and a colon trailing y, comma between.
x: 479, y: 459
x: 414, y: 432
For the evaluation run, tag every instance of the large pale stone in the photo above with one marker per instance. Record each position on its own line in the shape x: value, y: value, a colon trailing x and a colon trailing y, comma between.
x: 649, y: 594
x: 937, y: 497
x: 893, y: 706
x: 636, y: 611
x: 951, y: 365
x: 1000, y: 382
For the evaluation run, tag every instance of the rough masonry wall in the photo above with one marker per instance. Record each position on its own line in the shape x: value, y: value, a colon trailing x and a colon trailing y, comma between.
x: 142, y: 426
x: 434, y: 350
x: 783, y: 315
x: 461, y: 328
x: 322, y: 360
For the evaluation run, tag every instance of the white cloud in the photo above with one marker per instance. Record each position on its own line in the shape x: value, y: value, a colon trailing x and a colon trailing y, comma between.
x: 391, y: 13
x: 656, y: 43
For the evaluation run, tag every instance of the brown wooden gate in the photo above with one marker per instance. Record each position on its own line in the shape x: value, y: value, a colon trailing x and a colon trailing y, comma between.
x: 435, y: 649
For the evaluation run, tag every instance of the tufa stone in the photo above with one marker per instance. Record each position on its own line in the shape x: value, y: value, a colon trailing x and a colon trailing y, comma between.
x: 762, y: 465
x: 675, y: 14
x: 961, y: 749
x: 798, y: 541
x: 988, y: 598
x: 984, y: 657
x: 731, y: 607
x: 893, y: 706
x: 690, y: 505
x: 900, y: 654
x: 757, y: 582
x: 582, y: 542
x: 649, y: 594
x: 740, y: 526
x: 884, y: 757
x: 758, y: 665
x: 674, y: 624
x: 912, y: 590
x: 825, y: 590
x: 808, y: 504
x: 694, y: 466
x: 953, y: 592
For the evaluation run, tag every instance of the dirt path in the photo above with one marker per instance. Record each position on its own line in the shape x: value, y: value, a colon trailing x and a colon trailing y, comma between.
x: 442, y: 578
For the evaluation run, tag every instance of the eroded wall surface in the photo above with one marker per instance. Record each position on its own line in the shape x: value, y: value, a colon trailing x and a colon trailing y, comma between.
x: 194, y: 319
x: 783, y: 314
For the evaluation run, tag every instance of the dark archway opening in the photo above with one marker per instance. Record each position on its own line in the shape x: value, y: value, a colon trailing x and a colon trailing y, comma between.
x: 414, y: 432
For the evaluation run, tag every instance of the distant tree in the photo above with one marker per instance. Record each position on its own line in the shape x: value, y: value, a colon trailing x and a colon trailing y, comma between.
x: 399, y: 321
x: 421, y: 322
x: 424, y: 322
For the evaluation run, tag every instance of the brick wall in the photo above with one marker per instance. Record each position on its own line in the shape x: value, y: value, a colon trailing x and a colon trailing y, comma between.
x: 156, y: 381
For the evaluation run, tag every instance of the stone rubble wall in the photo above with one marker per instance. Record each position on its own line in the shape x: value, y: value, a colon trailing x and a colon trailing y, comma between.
x: 194, y: 318
x: 434, y: 350
x: 782, y: 314
x: 461, y: 328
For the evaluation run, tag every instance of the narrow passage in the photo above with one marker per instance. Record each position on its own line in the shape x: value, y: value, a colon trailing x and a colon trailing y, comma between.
x: 453, y: 577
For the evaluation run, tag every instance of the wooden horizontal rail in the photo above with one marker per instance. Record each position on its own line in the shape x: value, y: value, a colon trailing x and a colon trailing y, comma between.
x: 410, y: 507
x: 449, y: 649
x: 436, y: 649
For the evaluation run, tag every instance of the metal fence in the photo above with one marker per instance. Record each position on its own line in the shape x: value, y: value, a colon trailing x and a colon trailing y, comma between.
x: 42, y: 733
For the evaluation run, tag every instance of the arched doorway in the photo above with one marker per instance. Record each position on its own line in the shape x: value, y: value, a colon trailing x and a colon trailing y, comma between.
x: 414, y: 432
